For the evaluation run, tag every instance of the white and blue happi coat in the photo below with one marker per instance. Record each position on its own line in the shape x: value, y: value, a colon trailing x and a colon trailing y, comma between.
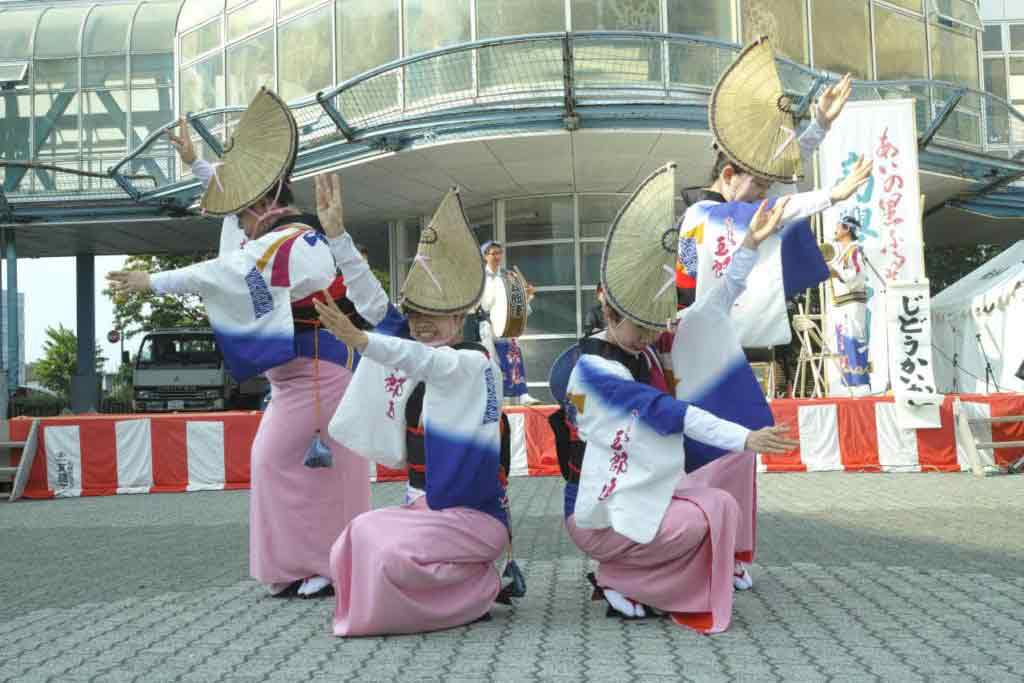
x: 640, y: 440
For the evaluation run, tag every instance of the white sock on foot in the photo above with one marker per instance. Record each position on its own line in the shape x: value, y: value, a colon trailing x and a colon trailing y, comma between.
x: 313, y: 585
x: 277, y: 588
x: 623, y: 605
x: 741, y: 578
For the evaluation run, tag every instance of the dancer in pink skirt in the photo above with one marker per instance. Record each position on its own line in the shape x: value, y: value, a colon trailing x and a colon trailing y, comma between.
x: 306, y: 488
x: 432, y: 404
x: 665, y: 543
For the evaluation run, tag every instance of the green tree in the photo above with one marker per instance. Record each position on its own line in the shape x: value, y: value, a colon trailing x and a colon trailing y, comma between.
x: 946, y: 265
x: 144, y: 312
x: 60, y: 360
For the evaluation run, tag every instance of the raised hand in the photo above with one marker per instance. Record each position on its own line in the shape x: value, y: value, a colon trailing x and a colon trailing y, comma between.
x: 123, y: 281
x: 330, y: 208
x: 771, y: 440
x: 765, y: 222
x: 832, y: 101
x: 858, y: 176
x: 183, y: 143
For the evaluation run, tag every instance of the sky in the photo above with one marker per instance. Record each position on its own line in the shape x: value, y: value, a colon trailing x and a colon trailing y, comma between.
x: 49, y: 288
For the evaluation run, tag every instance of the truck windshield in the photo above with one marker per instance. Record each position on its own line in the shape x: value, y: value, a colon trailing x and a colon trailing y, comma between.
x: 184, y: 350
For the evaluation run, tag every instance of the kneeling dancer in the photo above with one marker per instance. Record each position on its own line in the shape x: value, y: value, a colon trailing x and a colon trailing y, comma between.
x: 433, y: 404
x: 663, y: 543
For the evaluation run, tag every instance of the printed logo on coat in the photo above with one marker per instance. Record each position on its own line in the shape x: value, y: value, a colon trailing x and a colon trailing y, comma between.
x: 492, y: 411
x: 262, y: 300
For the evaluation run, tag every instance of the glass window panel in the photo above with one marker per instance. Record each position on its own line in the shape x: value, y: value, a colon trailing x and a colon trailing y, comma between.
x: 196, y: 12
x: 304, y: 50
x: 202, y: 85
x: 552, y: 313
x: 954, y: 56
x: 431, y: 24
x: 16, y: 115
x: 16, y: 34
x: 200, y: 41
x: 151, y: 108
x: 250, y: 65
x: 590, y: 262
x: 538, y: 218
x: 544, y: 265
x: 1017, y: 37
x: 152, y: 70
x: 250, y: 18
x: 291, y: 6
x: 992, y: 39
x: 616, y: 15
x: 783, y: 21
x: 57, y: 122
x: 106, y: 29
x: 965, y: 11
x: 841, y: 42
x: 597, y: 212
x: 104, y: 72
x: 154, y: 27
x: 900, y: 43
x: 105, y: 121
x: 588, y: 300
x: 367, y: 35
x: 518, y: 17
x: 538, y: 357
x: 56, y: 74
x: 997, y: 116
x: 913, y: 5
x: 1015, y: 83
x: 481, y: 221
x: 59, y: 30
x: 712, y: 18
x: 694, y: 64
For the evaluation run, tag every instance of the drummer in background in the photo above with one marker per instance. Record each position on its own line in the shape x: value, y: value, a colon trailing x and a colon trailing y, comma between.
x: 510, y: 356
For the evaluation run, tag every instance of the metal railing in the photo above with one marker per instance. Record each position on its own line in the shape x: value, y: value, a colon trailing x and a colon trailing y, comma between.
x: 559, y: 79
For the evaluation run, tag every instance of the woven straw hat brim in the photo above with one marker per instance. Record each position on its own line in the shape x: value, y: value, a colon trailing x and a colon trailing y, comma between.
x: 260, y: 153
x: 750, y: 119
x: 638, y: 263
x: 447, y: 276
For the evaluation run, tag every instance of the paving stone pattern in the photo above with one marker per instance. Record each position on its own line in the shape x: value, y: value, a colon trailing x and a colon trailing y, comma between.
x: 859, y: 578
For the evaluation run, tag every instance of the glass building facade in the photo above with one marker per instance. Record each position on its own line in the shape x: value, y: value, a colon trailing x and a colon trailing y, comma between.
x: 1003, y: 67
x: 98, y: 79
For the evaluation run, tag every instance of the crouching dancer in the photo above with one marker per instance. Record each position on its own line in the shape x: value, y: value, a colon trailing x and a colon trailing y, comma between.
x: 432, y: 404
x: 664, y: 544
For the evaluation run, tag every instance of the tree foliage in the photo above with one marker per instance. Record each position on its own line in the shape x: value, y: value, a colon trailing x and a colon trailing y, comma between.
x: 946, y: 265
x: 144, y: 312
x: 60, y: 360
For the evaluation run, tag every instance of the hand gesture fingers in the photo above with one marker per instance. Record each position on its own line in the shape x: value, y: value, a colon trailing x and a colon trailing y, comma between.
x: 765, y: 221
x: 332, y: 318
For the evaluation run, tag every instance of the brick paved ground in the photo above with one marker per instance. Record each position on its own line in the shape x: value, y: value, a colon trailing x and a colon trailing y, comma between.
x: 859, y: 577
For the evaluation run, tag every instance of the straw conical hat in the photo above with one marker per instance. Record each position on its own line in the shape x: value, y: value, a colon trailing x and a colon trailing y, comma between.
x: 447, y: 275
x: 260, y: 153
x: 750, y: 116
x: 638, y: 265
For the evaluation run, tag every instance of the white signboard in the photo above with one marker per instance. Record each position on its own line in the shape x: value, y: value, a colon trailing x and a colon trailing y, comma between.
x: 888, y: 209
x: 910, y: 355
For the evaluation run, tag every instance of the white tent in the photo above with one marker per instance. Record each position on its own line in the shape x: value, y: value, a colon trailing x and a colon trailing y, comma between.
x: 989, y: 302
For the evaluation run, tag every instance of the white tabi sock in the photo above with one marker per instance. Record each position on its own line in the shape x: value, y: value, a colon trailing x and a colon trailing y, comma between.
x: 278, y: 588
x: 623, y: 605
x: 313, y: 585
x: 741, y: 578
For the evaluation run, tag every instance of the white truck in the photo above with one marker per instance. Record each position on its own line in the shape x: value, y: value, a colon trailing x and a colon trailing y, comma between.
x: 183, y: 369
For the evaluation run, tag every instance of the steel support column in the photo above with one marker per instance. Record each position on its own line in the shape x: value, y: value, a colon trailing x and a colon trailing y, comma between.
x: 85, y: 385
x: 12, y: 324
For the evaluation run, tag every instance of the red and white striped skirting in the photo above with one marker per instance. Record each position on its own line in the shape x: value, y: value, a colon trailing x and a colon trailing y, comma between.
x: 101, y: 455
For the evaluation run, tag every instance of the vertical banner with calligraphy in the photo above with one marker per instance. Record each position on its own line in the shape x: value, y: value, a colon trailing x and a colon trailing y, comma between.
x: 910, y: 355
x: 888, y: 247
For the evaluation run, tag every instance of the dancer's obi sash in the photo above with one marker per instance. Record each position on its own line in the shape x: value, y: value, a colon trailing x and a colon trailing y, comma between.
x: 634, y: 454
x: 248, y: 295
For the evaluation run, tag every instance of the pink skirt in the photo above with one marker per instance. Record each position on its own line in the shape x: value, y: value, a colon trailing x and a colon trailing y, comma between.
x: 735, y: 473
x: 296, y: 513
x: 686, y: 570
x: 410, y: 569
